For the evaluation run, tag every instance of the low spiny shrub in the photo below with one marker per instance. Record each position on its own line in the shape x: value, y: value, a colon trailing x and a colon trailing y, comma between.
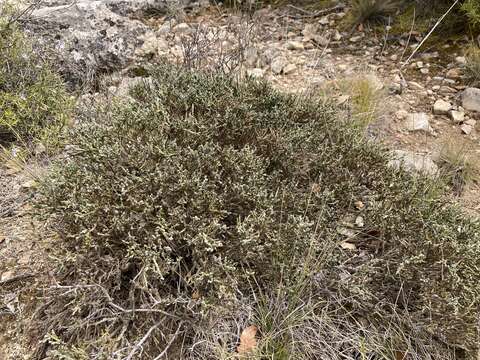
x: 177, y: 203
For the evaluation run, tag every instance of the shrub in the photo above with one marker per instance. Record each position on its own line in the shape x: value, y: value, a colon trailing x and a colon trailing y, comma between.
x: 371, y: 10
x: 458, y: 164
x: 177, y: 204
x: 33, y: 99
x: 472, y: 66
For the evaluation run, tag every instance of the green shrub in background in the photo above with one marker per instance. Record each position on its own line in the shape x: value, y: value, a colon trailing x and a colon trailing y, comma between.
x: 33, y: 100
x: 180, y: 202
x: 472, y: 10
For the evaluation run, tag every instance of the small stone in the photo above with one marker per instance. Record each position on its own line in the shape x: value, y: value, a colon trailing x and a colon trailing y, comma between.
x: 28, y: 185
x: 355, y: 39
x: 441, y: 107
x: 461, y: 60
x: 457, y: 116
x: 359, y: 205
x: 278, y: 64
x: 454, y: 73
x: 295, y: 45
x: 418, y: 122
x: 395, y: 88
x: 7, y: 275
x: 413, y: 162
x: 471, y: 99
x: 424, y: 71
x: 324, y: 21
x: 419, y: 64
x: 415, y: 85
x: 401, y: 114
x: 471, y: 122
x: 394, y: 57
x: 256, y: 73
x: 182, y: 28
x: 290, y: 68
x: 466, y: 129
x: 359, y: 221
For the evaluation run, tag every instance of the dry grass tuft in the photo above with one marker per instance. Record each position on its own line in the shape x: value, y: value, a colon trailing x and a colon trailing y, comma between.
x: 459, y: 165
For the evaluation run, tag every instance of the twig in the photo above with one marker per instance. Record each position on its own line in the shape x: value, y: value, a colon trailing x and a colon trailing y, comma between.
x: 430, y: 32
x: 317, y: 13
x: 16, y: 278
x: 164, y: 352
x: 140, y: 343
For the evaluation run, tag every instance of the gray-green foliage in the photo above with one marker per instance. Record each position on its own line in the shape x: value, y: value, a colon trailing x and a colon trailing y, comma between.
x: 33, y: 99
x: 201, y: 187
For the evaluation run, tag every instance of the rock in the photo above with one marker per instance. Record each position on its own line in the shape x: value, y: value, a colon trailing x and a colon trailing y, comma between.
x: 457, y: 116
x: 418, y: 122
x: 278, y: 64
x: 374, y: 80
x: 412, y: 162
x: 290, y: 68
x: 395, y: 88
x: 441, y: 107
x: 415, y: 85
x: 93, y: 36
x: 7, y: 275
x: 466, y: 129
x: 324, y: 20
x: 454, y: 73
x: 461, y: 60
x: 471, y: 122
x: 295, y: 45
x: 355, y: 39
x: 337, y: 36
x: 401, y: 114
x: 471, y: 99
x: 256, y: 73
x: 182, y: 29
x: 424, y: 71
x: 28, y: 185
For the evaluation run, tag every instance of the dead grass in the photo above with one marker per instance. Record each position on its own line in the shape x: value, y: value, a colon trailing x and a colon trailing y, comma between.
x: 459, y: 165
x: 472, y: 66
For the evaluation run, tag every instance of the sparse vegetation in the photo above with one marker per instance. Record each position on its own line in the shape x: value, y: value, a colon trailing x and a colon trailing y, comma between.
x: 472, y: 66
x: 458, y: 164
x: 371, y: 10
x: 33, y: 101
x: 180, y: 207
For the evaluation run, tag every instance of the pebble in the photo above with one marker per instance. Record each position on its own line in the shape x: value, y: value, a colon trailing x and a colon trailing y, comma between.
x: 441, y: 107
x: 295, y: 45
x: 457, y: 116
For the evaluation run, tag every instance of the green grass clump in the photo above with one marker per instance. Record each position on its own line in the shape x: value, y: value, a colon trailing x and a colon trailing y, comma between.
x: 178, y: 205
x: 33, y: 101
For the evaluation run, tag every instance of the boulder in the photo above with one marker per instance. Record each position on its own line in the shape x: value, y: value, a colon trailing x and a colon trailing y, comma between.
x: 471, y: 99
x: 412, y: 162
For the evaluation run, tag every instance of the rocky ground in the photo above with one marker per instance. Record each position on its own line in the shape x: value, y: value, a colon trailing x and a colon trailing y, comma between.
x: 423, y: 104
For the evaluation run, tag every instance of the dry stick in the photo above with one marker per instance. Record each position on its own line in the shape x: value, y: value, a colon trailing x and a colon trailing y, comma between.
x: 140, y: 343
x: 164, y: 352
x: 409, y: 36
x: 316, y: 14
x: 430, y: 33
